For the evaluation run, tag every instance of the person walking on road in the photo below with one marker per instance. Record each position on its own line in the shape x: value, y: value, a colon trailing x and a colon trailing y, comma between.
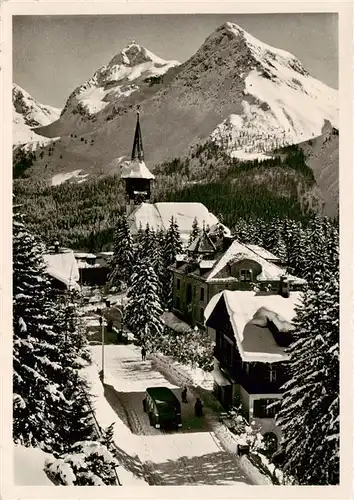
x: 143, y: 353
x: 184, y: 395
x: 198, y: 408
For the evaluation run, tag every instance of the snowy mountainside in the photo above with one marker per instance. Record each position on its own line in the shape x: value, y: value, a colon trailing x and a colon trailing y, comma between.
x: 322, y: 156
x: 28, y: 113
x: 247, y: 96
x: 287, y: 105
x: 134, y: 70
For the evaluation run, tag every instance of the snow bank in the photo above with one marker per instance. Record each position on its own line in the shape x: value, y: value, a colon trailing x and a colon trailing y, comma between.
x: 186, y: 375
x: 105, y: 415
x: 28, y: 466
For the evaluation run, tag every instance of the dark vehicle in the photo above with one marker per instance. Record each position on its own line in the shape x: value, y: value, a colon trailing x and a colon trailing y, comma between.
x: 162, y: 407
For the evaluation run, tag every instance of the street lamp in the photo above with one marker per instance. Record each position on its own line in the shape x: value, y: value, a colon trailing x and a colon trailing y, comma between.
x: 101, y: 320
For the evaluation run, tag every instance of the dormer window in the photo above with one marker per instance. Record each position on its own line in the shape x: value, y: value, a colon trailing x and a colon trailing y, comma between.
x: 246, y: 275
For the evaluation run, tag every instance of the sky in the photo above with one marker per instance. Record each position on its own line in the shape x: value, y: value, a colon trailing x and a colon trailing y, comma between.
x: 52, y: 55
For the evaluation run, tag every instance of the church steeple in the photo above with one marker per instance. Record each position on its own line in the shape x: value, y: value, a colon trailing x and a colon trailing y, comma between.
x: 137, y: 176
x: 138, y: 150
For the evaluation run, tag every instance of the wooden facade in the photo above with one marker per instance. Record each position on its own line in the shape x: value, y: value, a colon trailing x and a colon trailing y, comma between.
x: 253, y: 385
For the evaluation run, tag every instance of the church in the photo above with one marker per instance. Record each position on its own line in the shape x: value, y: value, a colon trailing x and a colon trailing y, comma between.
x: 140, y: 212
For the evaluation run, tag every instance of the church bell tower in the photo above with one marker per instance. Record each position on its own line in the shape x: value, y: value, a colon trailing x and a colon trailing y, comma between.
x: 136, y: 175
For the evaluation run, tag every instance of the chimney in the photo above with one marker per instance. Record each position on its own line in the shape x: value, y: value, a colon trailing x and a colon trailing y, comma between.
x: 56, y: 247
x: 226, y: 242
x: 284, y: 288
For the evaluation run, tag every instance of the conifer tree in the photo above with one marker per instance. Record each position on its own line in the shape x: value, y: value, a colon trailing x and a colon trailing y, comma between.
x: 195, y: 231
x: 36, y: 354
x: 123, y: 253
x: 89, y: 463
x: 143, y: 311
x: 172, y: 247
x: 309, y: 413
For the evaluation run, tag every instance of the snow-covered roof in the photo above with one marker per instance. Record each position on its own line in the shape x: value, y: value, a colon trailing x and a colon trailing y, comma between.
x: 176, y: 324
x: 206, y: 264
x: 238, y: 251
x: 158, y: 216
x: 248, y: 313
x: 63, y: 267
x: 83, y: 255
x: 262, y: 252
x: 136, y: 169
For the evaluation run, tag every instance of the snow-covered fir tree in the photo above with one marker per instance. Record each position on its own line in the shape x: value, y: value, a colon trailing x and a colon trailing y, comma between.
x: 123, y: 253
x: 144, y: 310
x: 51, y: 408
x: 172, y: 247
x: 36, y: 353
x: 195, y: 231
x: 89, y: 463
x: 309, y: 413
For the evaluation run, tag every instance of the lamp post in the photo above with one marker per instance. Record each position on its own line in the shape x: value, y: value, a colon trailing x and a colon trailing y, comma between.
x: 101, y: 319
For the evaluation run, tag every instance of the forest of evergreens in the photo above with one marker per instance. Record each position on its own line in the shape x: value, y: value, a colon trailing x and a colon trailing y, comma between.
x: 83, y: 216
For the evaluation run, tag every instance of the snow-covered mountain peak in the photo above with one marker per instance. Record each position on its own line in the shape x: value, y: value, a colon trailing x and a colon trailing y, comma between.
x: 134, y: 54
x: 27, y: 114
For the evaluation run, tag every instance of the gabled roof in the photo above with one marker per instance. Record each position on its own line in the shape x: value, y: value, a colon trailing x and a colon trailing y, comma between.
x: 63, y: 267
x: 249, y: 313
x: 158, y: 216
x: 202, y: 244
x: 237, y: 251
x: 262, y: 252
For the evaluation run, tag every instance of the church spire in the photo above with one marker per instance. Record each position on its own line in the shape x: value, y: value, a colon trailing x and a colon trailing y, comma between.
x: 138, y: 151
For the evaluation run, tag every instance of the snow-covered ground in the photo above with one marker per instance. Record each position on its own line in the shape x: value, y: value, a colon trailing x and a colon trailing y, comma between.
x: 28, y: 467
x: 191, y: 455
x: 60, y: 178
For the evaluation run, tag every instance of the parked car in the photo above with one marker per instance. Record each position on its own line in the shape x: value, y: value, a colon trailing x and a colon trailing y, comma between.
x: 162, y: 407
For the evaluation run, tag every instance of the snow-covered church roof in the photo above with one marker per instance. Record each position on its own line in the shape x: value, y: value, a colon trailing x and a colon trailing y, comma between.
x: 249, y: 314
x: 63, y: 267
x: 158, y: 216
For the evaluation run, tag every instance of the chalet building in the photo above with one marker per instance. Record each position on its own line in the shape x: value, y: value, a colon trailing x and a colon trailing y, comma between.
x: 252, y: 332
x: 62, y: 269
x: 140, y: 212
x: 215, y: 262
x: 93, y: 269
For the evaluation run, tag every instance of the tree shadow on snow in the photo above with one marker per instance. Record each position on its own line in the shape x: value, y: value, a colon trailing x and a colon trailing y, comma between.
x: 218, y: 469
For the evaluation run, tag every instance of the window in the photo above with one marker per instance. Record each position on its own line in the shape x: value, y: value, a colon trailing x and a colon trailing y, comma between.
x: 246, y: 275
x: 178, y: 284
x: 178, y: 303
x: 272, y: 374
x: 261, y: 408
x: 202, y: 294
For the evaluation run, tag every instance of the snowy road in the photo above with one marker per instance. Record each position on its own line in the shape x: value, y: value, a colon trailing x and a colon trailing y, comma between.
x: 191, y: 455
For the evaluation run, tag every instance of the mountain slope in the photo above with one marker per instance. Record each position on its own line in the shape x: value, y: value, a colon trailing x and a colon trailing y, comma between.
x: 247, y: 96
x: 130, y: 76
x: 322, y: 156
x: 28, y: 114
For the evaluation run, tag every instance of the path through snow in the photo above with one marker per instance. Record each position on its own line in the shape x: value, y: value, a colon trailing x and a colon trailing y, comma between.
x: 191, y: 455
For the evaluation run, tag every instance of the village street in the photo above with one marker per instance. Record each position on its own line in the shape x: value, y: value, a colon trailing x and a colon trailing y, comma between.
x: 191, y: 455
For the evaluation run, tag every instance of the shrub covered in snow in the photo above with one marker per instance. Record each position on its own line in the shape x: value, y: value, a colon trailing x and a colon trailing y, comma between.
x: 89, y: 463
x: 193, y: 348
